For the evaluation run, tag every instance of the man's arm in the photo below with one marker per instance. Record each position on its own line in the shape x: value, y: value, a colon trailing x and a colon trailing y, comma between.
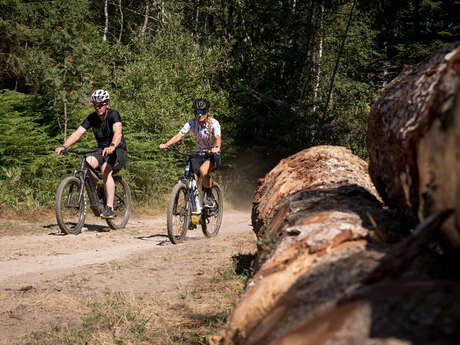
x: 116, y: 139
x: 72, y: 139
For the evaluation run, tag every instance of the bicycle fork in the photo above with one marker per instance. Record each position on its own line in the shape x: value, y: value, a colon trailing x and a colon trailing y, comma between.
x: 91, y: 188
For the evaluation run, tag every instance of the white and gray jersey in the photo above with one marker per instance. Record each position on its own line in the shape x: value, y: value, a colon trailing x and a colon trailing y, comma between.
x: 205, y: 139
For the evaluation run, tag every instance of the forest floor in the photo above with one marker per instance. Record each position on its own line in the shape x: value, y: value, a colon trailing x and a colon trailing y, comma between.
x: 129, y: 286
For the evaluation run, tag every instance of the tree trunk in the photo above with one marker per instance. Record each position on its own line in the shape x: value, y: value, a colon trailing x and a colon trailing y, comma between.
x: 197, y: 16
x: 318, y: 62
x: 106, y: 15
x: 146, y: 18
x: 121, y: 21
x: 413, y: 140
x: 66, y: 120
x: 317, y: 277
x: 308, y: 55
x: 339, y: 54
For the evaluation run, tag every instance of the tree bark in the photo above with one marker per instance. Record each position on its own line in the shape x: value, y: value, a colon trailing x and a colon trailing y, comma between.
x: 65, y: 119
x: 106, y: 15
x: 339, y: 54
x: 413, y: 140
x: 121, y: 21
x: 317, y: 277
x: 319, y: 60
x: 146, y: 18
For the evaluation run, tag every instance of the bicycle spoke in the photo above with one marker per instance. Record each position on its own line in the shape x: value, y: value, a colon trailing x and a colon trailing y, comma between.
x: 178, y: 214
x: 121, y: 204
x: 212, y: 217
x: 70, y: 210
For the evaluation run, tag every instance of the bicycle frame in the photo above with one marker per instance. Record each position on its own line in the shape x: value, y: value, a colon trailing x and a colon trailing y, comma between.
x: 187, y: 179
x: 188, y: 176
x: 84, y: 175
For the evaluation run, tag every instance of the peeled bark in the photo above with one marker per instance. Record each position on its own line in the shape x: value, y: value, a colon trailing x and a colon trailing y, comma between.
x: 413, y: 140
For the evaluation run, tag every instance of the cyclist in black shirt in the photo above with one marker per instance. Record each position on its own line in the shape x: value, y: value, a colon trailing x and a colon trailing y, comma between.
x: 107, y: 128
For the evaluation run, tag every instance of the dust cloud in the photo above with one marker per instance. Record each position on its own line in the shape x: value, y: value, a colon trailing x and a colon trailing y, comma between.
x: 239, y: 176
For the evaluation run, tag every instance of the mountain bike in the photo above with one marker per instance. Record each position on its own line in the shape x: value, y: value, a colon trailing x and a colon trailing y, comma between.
x: 71, y: 202
x: 182, y: 203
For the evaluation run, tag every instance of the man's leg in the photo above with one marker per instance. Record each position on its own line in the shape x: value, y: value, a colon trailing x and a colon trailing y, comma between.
x: 93, y: 162
x: 109, y: 183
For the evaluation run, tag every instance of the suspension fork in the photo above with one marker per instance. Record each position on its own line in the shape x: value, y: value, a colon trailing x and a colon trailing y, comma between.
x: 189, y: 195
x: 90, y: 186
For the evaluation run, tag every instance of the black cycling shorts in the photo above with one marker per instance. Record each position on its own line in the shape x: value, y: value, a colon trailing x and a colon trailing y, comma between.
x: 198, y: 161
x: 117, y: 159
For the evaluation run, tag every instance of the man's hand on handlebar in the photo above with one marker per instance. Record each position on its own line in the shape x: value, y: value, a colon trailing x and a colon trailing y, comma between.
x: 60, y: 150
x: 163, y: 147
x: 215, y: 150
x: 108, y: 150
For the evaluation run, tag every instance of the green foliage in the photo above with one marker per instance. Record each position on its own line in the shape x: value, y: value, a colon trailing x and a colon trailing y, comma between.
x: 26, y: 151
x: 162, y: 80
x: 266, y: 66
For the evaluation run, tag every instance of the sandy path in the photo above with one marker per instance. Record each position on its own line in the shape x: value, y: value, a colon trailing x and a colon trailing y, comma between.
x: 40, y: 265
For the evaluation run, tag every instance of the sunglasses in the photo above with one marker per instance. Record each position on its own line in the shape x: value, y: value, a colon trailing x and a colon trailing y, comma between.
x: 199, y: 112
x: 99, y: 105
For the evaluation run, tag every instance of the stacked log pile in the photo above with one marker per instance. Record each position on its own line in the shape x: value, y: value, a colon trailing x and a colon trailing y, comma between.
x: 334, y: 266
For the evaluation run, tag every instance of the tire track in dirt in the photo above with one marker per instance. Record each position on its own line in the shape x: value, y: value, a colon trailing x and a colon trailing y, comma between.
x: 42, y: 272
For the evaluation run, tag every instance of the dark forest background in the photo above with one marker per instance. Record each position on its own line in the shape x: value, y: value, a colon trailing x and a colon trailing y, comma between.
x: 281, y: 76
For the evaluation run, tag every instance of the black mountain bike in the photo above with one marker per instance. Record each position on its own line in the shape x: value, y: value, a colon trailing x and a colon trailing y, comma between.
x: 182, y: 202
x: 71, y: 201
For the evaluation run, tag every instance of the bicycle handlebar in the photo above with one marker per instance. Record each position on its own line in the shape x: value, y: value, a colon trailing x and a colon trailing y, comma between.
x: 65, y: 152
x: 191, y: 154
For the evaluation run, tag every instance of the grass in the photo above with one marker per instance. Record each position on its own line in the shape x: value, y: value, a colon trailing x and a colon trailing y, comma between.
x: 196, y: 312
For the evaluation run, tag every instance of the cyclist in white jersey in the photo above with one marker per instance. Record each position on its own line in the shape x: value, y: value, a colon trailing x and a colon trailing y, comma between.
x: 206, y: 131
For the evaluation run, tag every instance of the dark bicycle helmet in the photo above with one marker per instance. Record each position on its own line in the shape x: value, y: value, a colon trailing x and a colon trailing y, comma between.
x: 201, y: 104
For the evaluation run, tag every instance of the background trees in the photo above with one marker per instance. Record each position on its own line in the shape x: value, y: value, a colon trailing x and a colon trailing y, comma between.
x: 281, y: 75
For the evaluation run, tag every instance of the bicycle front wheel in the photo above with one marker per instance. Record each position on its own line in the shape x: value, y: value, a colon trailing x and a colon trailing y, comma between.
x: 70, y: 211
x: 211, y: 217
x: 179, y: 213
x: 121, y: 204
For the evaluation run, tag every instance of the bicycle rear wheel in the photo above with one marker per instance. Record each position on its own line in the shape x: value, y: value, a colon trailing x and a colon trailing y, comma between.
x: 211, y: 217
x: 70, y: 212
x: 179, y: 213
x: 121, y: 204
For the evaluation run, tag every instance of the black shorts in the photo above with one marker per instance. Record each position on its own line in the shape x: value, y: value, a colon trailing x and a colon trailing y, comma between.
x: 198, y: 161
x: 117, y: 159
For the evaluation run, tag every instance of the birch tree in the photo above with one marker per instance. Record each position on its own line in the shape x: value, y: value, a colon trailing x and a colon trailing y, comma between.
x: 106, y: 15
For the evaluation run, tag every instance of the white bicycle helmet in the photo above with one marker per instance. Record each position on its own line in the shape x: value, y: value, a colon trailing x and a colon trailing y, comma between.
x: 100, y: 96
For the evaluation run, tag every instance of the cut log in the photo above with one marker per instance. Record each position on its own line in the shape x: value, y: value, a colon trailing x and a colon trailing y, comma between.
x: 311, y: 216
x: 321, y: 277
x: 413, y: 140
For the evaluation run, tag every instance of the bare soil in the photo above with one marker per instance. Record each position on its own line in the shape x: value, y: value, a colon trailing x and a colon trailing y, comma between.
x: 45, y: 275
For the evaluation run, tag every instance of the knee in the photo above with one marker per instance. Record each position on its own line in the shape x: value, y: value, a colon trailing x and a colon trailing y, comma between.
x: 92, y: 161
x: 204, y: 172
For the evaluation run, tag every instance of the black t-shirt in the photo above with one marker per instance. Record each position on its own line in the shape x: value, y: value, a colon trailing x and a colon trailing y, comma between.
x: 103, y: 130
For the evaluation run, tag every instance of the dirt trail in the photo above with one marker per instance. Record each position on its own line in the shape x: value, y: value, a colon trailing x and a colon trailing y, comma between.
x: 40, y: 270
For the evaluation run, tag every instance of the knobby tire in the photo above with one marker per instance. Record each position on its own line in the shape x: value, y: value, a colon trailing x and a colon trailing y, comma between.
x: 70, y: 218
x: 211, y: 219
x: 121, y: 204
x: 179, y: 213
